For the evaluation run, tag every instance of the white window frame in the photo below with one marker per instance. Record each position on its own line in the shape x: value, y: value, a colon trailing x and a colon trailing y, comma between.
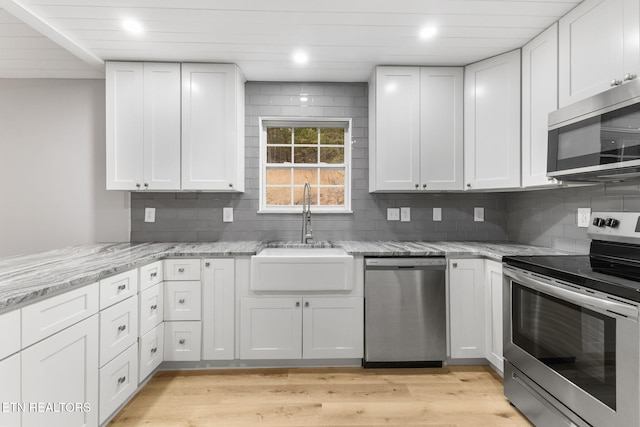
x: 300, y: 122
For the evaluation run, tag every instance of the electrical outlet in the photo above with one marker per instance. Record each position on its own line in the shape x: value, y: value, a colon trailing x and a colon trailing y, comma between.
x: 405, y: 214
x: 478, y: 214
x: 393, y: 214
x: 227, y: 214
x: 437, y: 214
x: 149, y: 214
x: 584, y: 215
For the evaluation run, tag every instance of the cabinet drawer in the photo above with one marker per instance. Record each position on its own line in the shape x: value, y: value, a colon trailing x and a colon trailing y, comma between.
x: 182, y: 269
x: 52, y: 315
x: 118, y: 288
x: 182, y: 300
x: 151, y: 351
x: 151, y: 308
x: 118, y: 328
x: 118, y: 381
x: 182, y: 341
x: 9, y: 333
x: 151, y: 274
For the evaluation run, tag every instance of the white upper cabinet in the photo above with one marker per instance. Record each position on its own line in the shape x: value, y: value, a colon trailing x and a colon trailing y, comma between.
x: 143, y: 126
x: 598, y: 42
x: 539, y: 98
x: 212, y: 127
x: 415, y: 129
x: 492, y: 123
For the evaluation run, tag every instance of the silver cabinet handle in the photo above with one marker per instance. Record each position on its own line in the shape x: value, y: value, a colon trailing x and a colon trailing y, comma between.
x: 137, y: 185
x: 469, y: 185
x: 122, y: 328
x: 121, y: 380
x: 154, y: 350
x: 424, y: 185
x: 455, y: 265
x: 181, y: 300
x: 615, y: 82
x: 230, y: 185
x: 146, y: 185
x: 182, y: 341
x: 154, y: 274
x: 297, y: 303
x: 207, y: 264
x: 306, y: 304
x: 154, y: 307
x: 629, y: 76
x: 417, y: 186
x: 181, y: 270
x: 122, y: 287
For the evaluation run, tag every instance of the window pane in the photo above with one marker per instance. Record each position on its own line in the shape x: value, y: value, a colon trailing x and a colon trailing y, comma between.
x: 333, y: 155
x: 278, y: 135
x: 305, y: 136
x: 332, y: 177
x: 278, y: 176
x: 300, y: 176
x: 278, y: 155
x: 297, y: 195
x: 306, y: 155
x: 332, y: 196
x: 332, y: 136
x: 278, y: 196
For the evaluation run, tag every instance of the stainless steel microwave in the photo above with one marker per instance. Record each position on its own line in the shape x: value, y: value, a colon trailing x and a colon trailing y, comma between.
x: 597, y: 139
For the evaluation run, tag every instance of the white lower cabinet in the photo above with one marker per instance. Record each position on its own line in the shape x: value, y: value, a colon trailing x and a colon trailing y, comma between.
x: 182, y: 341
x: 151, y: 351
x: 118, y: 328
x: 218, y: 314
x: 467, y: 308
x: 493, y: 304
x: 308, y: 328
x: 151, y: 308
x: 10, y: 391
x: 63, y: 368
x: 118, y: 381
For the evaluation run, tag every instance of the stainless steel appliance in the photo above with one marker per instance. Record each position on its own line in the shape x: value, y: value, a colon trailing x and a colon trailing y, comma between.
x: 405, y: 312
x: 572, y: 334
x: 597, y: 139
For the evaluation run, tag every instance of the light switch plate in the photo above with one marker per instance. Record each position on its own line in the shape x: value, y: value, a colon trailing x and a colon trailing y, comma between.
x: 437, y: 214
x: 478, y: 214
x: 149, y: 214
x: 227, y: 214
x: 584, y: 214
x: 405, y: 214
x: 393, y: 214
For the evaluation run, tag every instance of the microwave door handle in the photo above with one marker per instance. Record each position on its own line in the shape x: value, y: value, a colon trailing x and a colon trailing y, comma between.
x: 575, y: 297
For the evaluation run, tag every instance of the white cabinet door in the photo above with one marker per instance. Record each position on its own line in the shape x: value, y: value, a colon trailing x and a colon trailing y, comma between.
x: 162, y: 126
x: 124, y: 131
x: 394, y: 129
x: 333, y: 328
x: 143, y: 126
x: 118, y: 381
x: 218, y: 315
x: 441, y: 128
x: 270, y: 328
x: 118, y: 328
x: 492, y: 123
x: 212, y: 127
x: 182, y: 341
x: 151, y: 351
x: 63, y: 368
x: 467, y: 311
x: 598, y: 42
x: 182, y: 300
x: 539, y: 98
x: 151, y: 308
x: 10, y: 391
x: 493, y: 309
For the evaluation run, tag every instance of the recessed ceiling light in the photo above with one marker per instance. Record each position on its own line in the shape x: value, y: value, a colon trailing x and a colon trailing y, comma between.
x: 300, y: 57
x: 132, y: 26
x: 428, y: 32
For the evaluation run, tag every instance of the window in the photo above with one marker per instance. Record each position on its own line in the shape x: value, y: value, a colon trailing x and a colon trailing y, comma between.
x: 296, y: 151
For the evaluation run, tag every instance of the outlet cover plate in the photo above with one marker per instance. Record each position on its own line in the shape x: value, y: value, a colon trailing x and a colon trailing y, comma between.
x: 149, y: 214
x: 393, y: 214
x: 478, y: 214
x: 405, y: 214
x: 584, y: 214
x: 437, y: 214
x: 227, y: 214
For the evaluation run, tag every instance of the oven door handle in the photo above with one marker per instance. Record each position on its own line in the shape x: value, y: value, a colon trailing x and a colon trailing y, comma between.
x: 619, y: 308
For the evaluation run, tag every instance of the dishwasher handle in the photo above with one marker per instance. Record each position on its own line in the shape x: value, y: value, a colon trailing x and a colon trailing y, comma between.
x: 415, y: 263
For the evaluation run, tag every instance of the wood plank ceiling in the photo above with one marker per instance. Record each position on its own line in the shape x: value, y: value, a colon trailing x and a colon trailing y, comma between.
x: 343, y: 39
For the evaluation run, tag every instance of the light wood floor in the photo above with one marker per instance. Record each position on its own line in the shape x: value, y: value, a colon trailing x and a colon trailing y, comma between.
x: 450, y: 396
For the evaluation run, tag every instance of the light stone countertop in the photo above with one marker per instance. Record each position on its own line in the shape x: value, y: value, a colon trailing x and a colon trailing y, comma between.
x: 26, y: 279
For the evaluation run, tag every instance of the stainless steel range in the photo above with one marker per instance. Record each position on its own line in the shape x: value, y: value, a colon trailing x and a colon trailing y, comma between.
x: 572, y: 334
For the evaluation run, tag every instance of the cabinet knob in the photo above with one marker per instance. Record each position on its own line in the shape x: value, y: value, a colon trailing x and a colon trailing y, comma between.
x: 297, y: 303
x: 615, y: 82
x: 121, y: 328
x: 146, y: 185
x: 121, y: 380
x: 306, y: 304
x: 182, y: 341
x: 454, y: 265
x: 424, y: 185
x: 629, y: 76
x: 417, y: 186
x: 154, y: 307
x: 181, y: 270
x: 207, y: 264
x: 137, y: 185
x: 468, y: 185
x: 122, y: 287
x: 154, y: 350
x: 154, y: 274
x: 230, y: 185
x: 181, y: 300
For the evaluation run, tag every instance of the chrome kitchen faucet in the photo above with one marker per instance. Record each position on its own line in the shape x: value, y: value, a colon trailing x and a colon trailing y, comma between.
x: 307, y: 232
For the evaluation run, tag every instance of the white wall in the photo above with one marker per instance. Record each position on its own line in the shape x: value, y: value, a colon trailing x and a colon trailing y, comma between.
x: 52, y: 167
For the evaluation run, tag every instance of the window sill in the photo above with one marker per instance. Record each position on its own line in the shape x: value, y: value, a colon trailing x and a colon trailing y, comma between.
x: 299, y: 211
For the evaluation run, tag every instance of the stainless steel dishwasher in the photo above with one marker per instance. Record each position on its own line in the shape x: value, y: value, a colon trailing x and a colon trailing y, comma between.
x: 405, y: 312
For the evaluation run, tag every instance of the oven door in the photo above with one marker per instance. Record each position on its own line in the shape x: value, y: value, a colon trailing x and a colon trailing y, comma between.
x: 578, y: 345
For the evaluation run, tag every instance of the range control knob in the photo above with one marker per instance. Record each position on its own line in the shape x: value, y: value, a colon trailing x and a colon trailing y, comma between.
x: 612, y: 222
x: 598, y: 222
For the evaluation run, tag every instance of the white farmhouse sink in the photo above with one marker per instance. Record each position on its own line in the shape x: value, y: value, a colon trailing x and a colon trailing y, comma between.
x: 301, y: 269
